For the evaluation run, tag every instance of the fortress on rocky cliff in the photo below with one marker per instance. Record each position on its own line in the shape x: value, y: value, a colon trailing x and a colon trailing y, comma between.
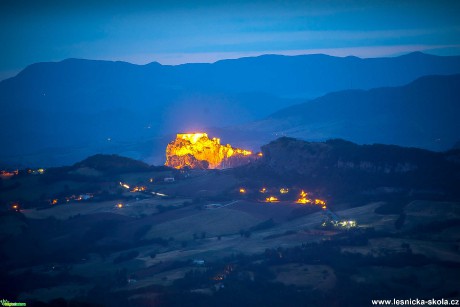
x: 197, y: 150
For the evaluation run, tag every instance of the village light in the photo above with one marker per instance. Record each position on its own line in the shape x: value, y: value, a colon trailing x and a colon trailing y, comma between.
x: 124, y: 185
x: 284, y: 190
x: 320, y: 202
x: 303, y: 199
x: 272, y: 199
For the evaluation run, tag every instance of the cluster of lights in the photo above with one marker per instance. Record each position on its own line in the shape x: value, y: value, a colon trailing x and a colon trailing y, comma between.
x: 40, y: 171
x: 81, y: 197
x: 272, y: 199
x: 284, y: 190
x: 303, y: 197
x: 136, y: 188
x: 347, y: 224
x: 4, y: 173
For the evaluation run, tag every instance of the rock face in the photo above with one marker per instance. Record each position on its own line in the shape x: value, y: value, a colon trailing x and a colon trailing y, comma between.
x: 292, y: 156
x: 186, y: 161
x: 346, y: 168
x: 197, y: 150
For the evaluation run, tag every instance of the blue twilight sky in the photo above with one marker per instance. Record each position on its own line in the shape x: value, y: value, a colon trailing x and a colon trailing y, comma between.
x: 175, y: 32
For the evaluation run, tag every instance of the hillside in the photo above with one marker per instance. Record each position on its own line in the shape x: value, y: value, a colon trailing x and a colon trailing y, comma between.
x: 349, y: 171
x: 52, y: 111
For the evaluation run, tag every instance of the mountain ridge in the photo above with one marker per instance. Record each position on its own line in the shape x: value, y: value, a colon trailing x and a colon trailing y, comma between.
x: 421, y: 114
x: 52, y: 105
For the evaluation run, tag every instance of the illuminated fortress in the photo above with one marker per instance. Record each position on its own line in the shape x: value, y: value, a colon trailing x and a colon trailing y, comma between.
x: 197, y: 150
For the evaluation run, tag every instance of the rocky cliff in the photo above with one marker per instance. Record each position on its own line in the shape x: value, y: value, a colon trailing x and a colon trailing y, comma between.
x: 340, y: 166
x: 197, y: 150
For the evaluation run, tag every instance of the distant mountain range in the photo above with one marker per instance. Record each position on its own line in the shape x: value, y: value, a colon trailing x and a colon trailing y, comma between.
x: 58, y: 113
x: 424, y: 114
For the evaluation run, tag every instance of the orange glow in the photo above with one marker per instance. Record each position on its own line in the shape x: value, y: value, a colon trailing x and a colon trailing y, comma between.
x: 193, y: 137
x: 9, y: 174
x: 197, y: 150
x: 15, y: 206
x: 54, y: 201
x: 303, y: 199
x: 263, y: 190
x: 284, y: 191
x: 242, y: 152
x: 272, y: 199
x: 242, y: 190
x: 260, y: 154
x: 320, y: 202
x: 119, y: 205
x: 138, y: 189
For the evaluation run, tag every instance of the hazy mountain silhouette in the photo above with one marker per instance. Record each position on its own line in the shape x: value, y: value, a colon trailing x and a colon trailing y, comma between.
x: 424, y: 113
x: 58, y: 113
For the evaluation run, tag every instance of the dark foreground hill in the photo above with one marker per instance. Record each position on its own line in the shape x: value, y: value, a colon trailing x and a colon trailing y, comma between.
x: 58, y: 113
x: 424, y: 114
